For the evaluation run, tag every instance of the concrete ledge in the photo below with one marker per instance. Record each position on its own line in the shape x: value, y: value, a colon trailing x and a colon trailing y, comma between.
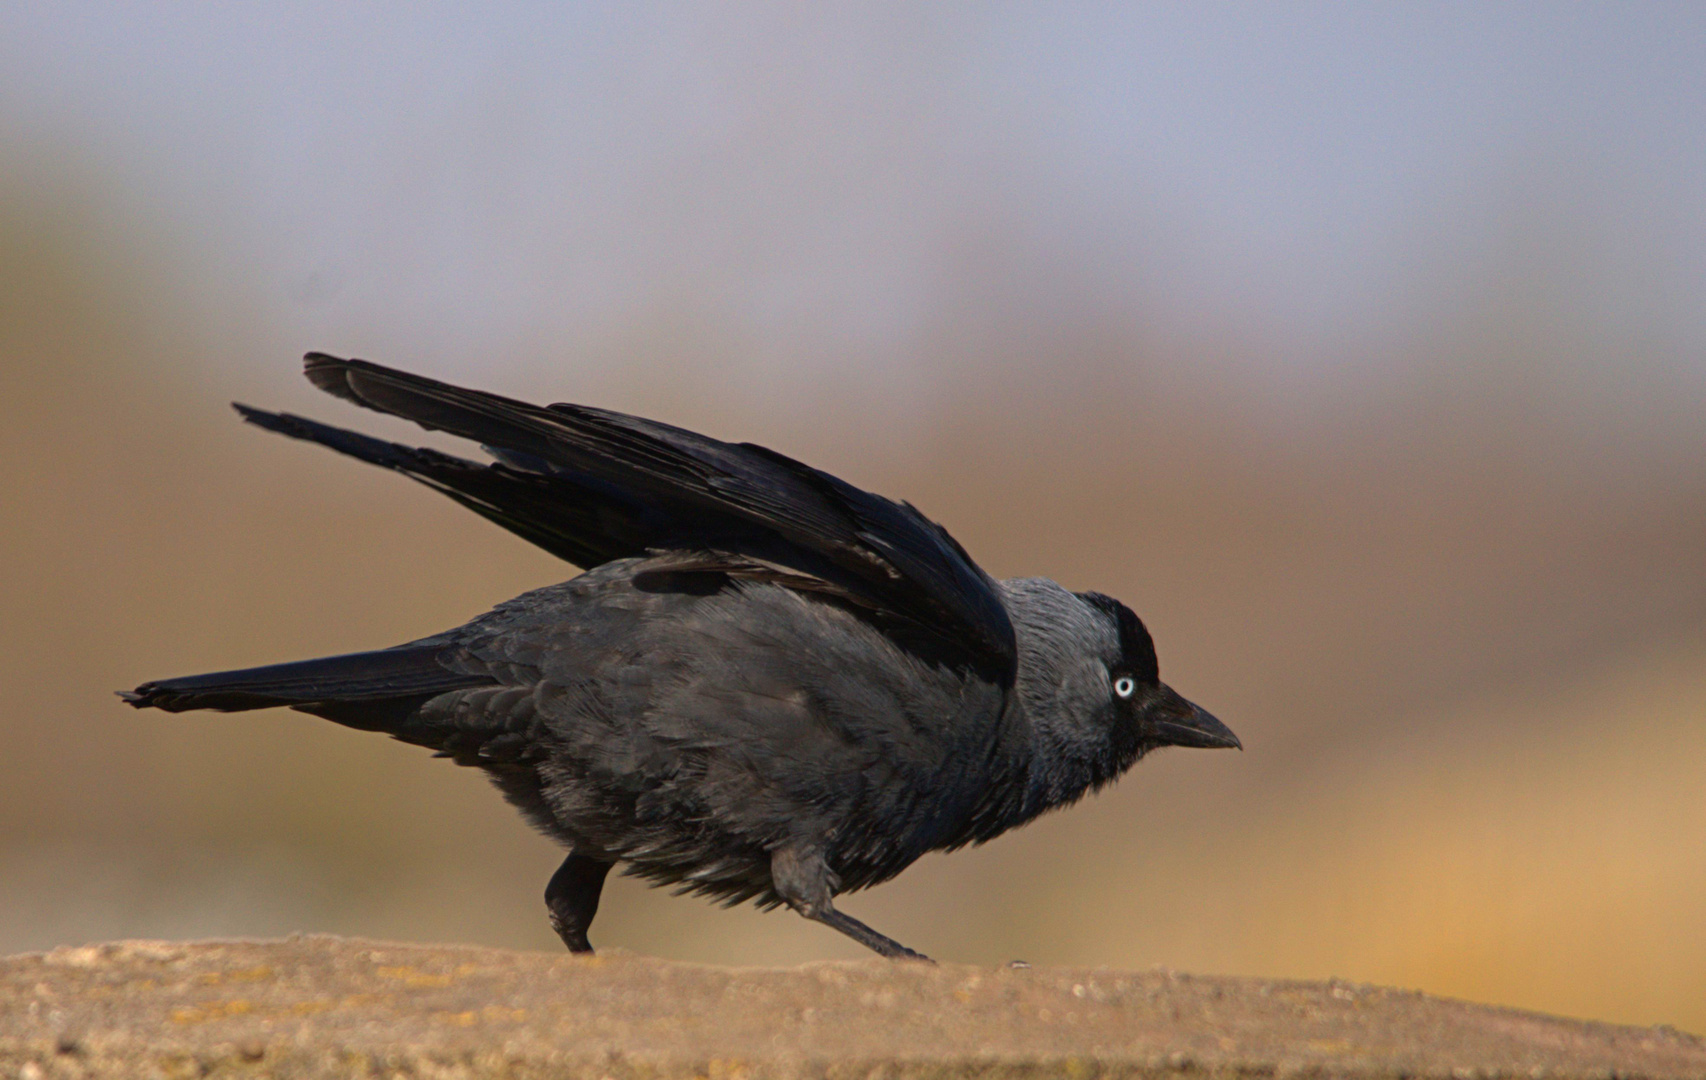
x: 323, y: 1006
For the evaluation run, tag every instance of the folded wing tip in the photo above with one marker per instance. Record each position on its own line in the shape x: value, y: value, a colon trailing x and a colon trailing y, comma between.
x: 280, y: 423
x: 332, y: 374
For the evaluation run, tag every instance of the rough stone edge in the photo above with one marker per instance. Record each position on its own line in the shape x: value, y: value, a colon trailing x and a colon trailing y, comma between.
x: 50, y: 1063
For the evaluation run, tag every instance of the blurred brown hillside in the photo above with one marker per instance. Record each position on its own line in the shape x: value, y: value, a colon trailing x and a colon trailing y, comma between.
x: 1457, y: 614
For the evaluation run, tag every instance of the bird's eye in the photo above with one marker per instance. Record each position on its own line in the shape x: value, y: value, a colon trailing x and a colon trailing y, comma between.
x: 1125, y: 685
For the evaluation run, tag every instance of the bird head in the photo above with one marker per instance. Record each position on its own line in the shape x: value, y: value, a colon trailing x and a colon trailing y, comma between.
x: 1152, y: 712
x: 1090, y: 691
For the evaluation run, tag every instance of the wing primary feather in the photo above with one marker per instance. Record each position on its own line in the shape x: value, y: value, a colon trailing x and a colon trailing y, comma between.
x: 575, y: 520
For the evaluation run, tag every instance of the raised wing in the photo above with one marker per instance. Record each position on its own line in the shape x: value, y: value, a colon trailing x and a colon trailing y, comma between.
x: 591, y: 485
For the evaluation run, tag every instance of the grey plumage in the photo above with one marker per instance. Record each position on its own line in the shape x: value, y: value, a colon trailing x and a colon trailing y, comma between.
x: 768, y: 686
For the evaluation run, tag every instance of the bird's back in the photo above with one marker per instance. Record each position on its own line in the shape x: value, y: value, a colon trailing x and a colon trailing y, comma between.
x: 689, y: 731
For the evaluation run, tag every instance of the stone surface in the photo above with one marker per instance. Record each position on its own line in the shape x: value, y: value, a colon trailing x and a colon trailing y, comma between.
x: 323, y: 1006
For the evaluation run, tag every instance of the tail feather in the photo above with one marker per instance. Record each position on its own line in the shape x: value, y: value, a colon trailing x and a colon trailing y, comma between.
x: 348, y: 684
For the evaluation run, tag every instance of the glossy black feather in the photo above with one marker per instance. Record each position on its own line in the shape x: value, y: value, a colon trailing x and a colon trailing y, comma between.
x: 699, y: 493
x: 576, y: 519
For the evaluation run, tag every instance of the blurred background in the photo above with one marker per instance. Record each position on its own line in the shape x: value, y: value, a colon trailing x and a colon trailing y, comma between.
x: 1360, y: 348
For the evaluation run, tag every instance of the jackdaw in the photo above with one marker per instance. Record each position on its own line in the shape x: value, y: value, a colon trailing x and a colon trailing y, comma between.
x: 768, y: 685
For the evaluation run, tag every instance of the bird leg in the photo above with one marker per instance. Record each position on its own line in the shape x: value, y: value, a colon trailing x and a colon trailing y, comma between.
x: 572, y: 898
x: 801, y: 877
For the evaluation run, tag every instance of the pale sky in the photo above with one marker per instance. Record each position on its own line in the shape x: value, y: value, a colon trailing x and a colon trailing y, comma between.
x: 439, y: 177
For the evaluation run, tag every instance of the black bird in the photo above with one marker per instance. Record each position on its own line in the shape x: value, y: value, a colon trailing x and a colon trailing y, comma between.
x: 769, y: 685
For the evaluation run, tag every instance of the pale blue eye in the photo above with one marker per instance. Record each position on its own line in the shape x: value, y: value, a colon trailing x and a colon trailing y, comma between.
x: 1125, y: 685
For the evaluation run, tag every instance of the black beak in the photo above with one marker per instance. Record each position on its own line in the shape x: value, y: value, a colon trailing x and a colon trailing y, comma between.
x: 1180, y: 723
